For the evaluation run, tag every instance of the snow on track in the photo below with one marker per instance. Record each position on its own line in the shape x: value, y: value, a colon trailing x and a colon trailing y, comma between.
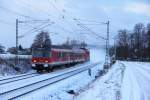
x: 37, y: 85
x: 136, y: 83
x: 21, y: 83
x: 17, y: 78
x: 58, y: 91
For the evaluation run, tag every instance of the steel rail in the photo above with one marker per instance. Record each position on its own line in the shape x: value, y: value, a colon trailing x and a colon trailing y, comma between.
x: 17, y: 79
x: 21, y: 91
x: 16, y: 76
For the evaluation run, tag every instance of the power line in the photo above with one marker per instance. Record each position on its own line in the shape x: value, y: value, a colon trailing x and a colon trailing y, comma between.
x: 35, y: 29
x: 92, y: 32
x: 91, y: 21
x: 47, y: 13
x: 63, y: 16
x: 86, y: 28
x: 14, y: 12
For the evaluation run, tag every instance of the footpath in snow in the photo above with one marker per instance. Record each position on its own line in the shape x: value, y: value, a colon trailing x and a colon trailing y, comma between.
x: 124, y: 81
x: 136, y: 82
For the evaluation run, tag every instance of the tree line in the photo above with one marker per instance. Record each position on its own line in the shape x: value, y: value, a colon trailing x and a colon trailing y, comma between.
x: 132, y: 45
x: 42, y: 40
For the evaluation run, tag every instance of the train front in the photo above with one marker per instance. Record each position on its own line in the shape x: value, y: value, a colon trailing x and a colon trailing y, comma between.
x: 41, y: 58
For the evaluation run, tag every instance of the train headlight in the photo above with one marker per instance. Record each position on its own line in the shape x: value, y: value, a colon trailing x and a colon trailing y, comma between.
x: 34, y: 60
x: 45, y: 65
x: 33, y: 65
x: 46, y: 61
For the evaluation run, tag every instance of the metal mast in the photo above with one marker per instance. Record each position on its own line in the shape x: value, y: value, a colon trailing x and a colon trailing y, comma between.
x: 16, y: 60
x: 107, y: 46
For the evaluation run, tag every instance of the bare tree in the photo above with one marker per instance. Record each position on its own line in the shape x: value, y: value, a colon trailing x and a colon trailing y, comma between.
x: 42, y: 40
x: 134, y: 45
x: 122, y: 45
x: 138, y: 29
x: 2, y: 49
x: 148, y: 39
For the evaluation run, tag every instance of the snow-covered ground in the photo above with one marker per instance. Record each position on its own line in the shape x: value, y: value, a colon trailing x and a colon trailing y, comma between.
x: 136, y: 82
x: 124, y: 81
x: 7, y: 62
x: 106, y: 87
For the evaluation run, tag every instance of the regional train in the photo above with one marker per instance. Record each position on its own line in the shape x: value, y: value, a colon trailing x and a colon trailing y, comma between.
x: 48, y: 59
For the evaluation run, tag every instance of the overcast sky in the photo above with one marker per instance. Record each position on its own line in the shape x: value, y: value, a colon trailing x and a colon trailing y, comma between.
x: 123, y: 14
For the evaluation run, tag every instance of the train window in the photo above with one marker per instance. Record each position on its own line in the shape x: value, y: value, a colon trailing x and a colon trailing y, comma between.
x: 41, y: 53
x: 59, y: 54
x: 46, y: 53
x: 62, y: 54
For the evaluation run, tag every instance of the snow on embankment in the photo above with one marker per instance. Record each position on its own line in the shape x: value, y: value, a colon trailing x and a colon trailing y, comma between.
x: 106, y: 87
x: 136, y: 82
x: 7, y: 64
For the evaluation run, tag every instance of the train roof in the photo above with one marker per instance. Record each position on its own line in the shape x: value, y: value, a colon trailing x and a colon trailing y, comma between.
x: 69, y: 50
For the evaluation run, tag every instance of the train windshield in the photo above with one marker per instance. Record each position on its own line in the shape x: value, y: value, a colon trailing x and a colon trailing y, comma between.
x: 41, y: 53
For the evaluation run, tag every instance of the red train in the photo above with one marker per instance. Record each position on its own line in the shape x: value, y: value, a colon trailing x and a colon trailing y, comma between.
x: 47, y: 59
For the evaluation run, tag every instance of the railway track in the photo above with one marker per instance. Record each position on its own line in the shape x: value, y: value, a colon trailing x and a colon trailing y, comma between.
x: 20, y: 77
x: 17, y: 78
x: 20, y: 91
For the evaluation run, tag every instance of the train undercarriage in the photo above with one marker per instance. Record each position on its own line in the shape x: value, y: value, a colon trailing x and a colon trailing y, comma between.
x: 50, y: 67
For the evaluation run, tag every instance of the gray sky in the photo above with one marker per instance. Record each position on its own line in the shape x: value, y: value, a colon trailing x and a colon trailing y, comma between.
x: 121, y: 13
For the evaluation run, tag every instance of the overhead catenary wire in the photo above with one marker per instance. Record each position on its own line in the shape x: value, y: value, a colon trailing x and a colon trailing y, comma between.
x: 83, y: 26
x: 90, y: 21
x: 35, y: 29
x: 56, y: 19
x: 63, y: 16
x: 60, y: 12
x: 14, y: 12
